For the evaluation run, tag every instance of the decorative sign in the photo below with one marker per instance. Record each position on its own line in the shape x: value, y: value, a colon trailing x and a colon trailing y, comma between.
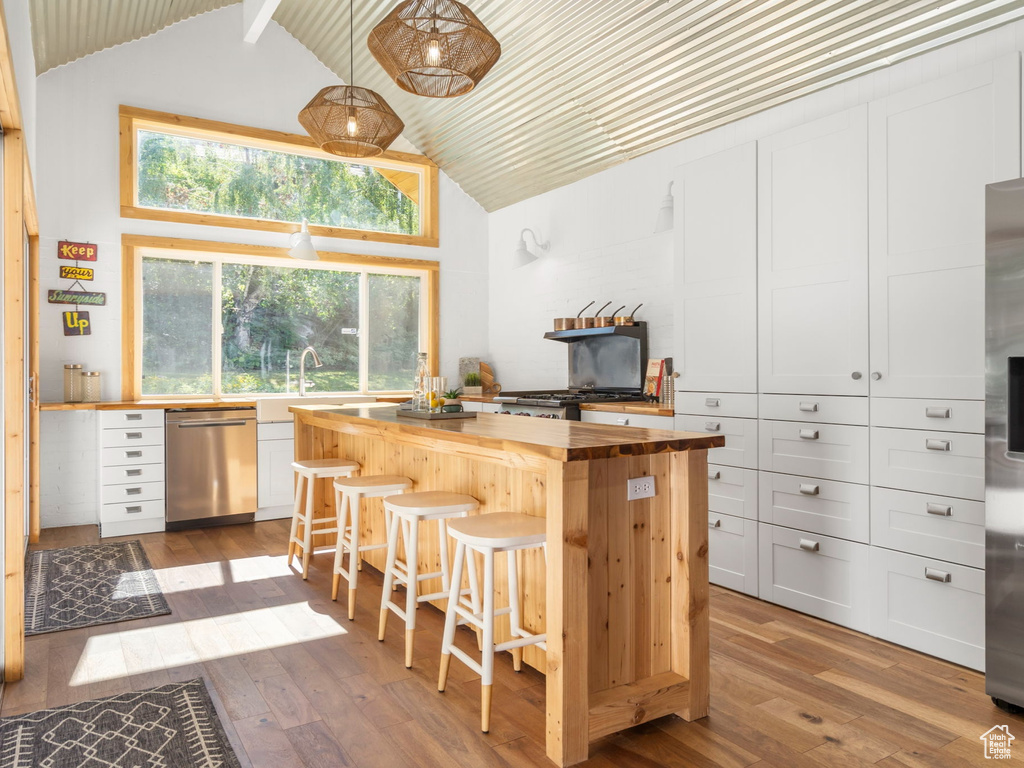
x: 77, y: 251
x: 76, y: 273
x: 76, y: 324
x: 89, y: 298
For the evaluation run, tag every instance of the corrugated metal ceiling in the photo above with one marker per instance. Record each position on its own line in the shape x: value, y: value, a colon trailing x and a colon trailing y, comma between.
x: 582, y: 84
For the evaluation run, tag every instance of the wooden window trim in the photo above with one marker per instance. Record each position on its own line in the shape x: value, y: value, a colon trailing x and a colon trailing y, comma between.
x: 131, y: 294
x: 133, y: 118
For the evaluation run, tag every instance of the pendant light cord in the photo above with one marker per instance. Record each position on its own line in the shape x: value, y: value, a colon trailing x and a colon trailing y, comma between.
x: 351, y: 47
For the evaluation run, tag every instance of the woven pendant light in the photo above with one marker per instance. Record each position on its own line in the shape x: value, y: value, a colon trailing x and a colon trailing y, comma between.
x: 434, y: 48
x: 350, y: 121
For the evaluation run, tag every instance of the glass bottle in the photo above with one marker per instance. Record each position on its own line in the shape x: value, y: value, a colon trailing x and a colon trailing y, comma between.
x: 420, y: 398
x: 72, y: 383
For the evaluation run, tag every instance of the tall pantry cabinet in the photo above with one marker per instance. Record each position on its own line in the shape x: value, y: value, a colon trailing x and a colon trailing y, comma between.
x: 867, y: 427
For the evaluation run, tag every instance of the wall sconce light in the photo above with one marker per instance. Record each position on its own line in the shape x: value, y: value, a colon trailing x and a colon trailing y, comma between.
x: 666, y: 216
x: 302, y: 244
x: 522, y: 255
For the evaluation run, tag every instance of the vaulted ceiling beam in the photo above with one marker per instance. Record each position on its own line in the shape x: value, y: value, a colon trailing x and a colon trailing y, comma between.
x: 256, y: 14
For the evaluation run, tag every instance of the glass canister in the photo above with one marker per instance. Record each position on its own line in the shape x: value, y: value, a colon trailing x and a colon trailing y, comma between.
x: 420, y: 400
x: 90, y: 386
x: 72, y: 383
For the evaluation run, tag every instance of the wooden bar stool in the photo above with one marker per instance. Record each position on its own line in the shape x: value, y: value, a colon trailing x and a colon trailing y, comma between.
x: 487, y: 534
x: 407, y: 512
x: 307, y: 472
x: 349, y: 493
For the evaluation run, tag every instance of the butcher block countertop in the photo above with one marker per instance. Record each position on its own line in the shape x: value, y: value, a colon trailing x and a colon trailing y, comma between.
x: 543, y: 438
x: 638, y: 409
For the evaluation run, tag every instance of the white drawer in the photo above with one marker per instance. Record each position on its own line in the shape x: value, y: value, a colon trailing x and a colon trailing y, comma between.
x: 947, y: 463
x: 817, y: 409
x: 133, y: 454
x: 830, y: 451
x: 818, y: 506
x: 647, y: 421
x: 947, y: 415
x: 740, y: 406
x: 913, y: 604
x: 131, y: 492
x: 815, y: 574
x: 928, y: 525
x: 279, y: 430
x: 732, y: 491
x: 143, y: 417
x: 141, y: 510
x: 732, y: 553
x: 132, y: 474
x: 740, y: 448
x: 116, y: 438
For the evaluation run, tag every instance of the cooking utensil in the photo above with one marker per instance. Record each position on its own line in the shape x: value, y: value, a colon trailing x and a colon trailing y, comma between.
x: 565, y: 323
x: 627, y: 319
x: 584, y: 322
x: 608, y: 320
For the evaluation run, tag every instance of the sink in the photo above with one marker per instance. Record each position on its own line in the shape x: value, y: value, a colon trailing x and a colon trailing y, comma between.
x: 276, y: 408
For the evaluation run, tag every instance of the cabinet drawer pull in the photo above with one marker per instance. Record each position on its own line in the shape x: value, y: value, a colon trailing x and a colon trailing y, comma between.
x: 712, y: 402
x: 622, y: 420
x: 809, y: 407
x: 133, y: 417
x: 809, y: 546
x: 133, y: 454
x: 133, y: 472
x: 132, y: 435
x: 936, y: 575
x: 714, y: 474
x: 808, y: 434
x: 938, y: 413
x: 937, y: 445
x: 809, y: 490
x: 942, y: 510
x: 717, y: 523
x: 133, y: 510
x: 712, y: 426
x: 133, y: 491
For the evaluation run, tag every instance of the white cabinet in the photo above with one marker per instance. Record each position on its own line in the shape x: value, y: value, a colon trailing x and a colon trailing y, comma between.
x: 741, y: 406
x: 812, y: 408
x: 644, y: 420
x: 131, y: 472
x: 732, y: 553
x: 275, y: 483
x: 814, y: 505
x: 716, y: 272
x: 732, y: 491
x: 829, y: 451
x: 947, y: 415
x: 929, y: 525
x: 812, y: 257
x: 931, y: 605
x: 815, y: 574
x: 947, y: 463
x: 932, y: 151
x: 740, y: 449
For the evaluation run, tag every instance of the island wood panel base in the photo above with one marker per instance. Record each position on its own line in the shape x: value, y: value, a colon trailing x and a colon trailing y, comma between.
x: 637, y: 648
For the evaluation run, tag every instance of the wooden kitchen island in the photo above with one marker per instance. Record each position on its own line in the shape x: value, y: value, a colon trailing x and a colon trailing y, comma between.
x: 623, y: 595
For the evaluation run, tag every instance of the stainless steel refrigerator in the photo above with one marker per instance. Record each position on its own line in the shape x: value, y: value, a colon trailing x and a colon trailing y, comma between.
x: 1004, y: 444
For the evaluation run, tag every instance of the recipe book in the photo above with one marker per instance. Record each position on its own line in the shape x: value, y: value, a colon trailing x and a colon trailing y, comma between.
x: 655, y: 373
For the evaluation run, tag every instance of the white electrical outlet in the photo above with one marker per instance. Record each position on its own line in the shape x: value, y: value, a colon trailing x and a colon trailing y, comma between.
x: 639, y: 488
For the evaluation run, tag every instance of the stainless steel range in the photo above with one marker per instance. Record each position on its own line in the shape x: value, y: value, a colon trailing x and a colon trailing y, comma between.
x: 606, y: 365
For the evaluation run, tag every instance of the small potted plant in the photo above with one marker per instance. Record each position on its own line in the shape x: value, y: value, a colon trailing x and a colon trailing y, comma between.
x: 451, y: 401
x: 472, y: 385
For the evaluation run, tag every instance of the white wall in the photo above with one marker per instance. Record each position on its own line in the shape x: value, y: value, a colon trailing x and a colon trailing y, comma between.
x: 600, y: 227
x: 19, y: 35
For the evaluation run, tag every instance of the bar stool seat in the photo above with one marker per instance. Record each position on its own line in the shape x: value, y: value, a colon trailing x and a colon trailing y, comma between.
x: 307, y: 472
x: 407, y: 512
x: 349, y: 493
x: 487, y: 534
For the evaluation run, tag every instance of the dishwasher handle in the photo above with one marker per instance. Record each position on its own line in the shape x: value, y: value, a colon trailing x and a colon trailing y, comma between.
x: 190, y: 424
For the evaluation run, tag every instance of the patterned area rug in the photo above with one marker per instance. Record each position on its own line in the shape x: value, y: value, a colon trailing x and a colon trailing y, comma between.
x: 172, y: 726
x: 83, y: 586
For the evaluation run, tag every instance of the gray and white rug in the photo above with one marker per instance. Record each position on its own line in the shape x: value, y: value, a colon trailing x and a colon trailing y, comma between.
x: 173, y: 726
x: 95, y: 584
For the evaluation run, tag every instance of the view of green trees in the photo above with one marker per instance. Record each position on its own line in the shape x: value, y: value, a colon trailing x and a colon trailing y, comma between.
x: 268, y: 314
x: 202, y: 176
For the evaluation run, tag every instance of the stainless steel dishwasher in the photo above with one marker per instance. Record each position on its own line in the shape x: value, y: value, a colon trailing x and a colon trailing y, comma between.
x: 211, y: 467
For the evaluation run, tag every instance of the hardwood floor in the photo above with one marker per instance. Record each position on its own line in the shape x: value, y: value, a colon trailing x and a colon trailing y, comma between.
x: 300, y: 685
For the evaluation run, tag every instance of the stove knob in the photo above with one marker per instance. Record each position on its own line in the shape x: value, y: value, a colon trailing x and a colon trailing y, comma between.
x: 507, y: 413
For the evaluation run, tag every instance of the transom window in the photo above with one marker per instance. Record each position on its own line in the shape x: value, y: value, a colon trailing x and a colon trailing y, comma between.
x: 189, y: 170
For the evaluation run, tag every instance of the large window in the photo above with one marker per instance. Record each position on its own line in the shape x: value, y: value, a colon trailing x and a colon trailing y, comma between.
x: 209, y: 323
x: 184, y: 169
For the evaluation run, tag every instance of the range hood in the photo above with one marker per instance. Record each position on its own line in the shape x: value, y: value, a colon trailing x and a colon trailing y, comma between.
x: 638, y: 331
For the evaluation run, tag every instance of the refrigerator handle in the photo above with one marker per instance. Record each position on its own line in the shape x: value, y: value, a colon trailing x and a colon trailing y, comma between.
x: 1015, y: 405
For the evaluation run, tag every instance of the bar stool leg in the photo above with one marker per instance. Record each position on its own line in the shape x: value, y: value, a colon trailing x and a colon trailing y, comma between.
x: 307, y: 533
x: 296, y: 508
x: 354, y: 503
x: 487, y: 678
x: 412, y: 588
x: 513, y: 604
x: 451, y: 618
x: 474, y: 595
x: 389, y: 574
x: 341, y: 504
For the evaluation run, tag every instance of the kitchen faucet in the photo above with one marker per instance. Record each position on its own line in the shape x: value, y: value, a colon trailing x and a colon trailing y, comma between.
x: 317, y: 363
